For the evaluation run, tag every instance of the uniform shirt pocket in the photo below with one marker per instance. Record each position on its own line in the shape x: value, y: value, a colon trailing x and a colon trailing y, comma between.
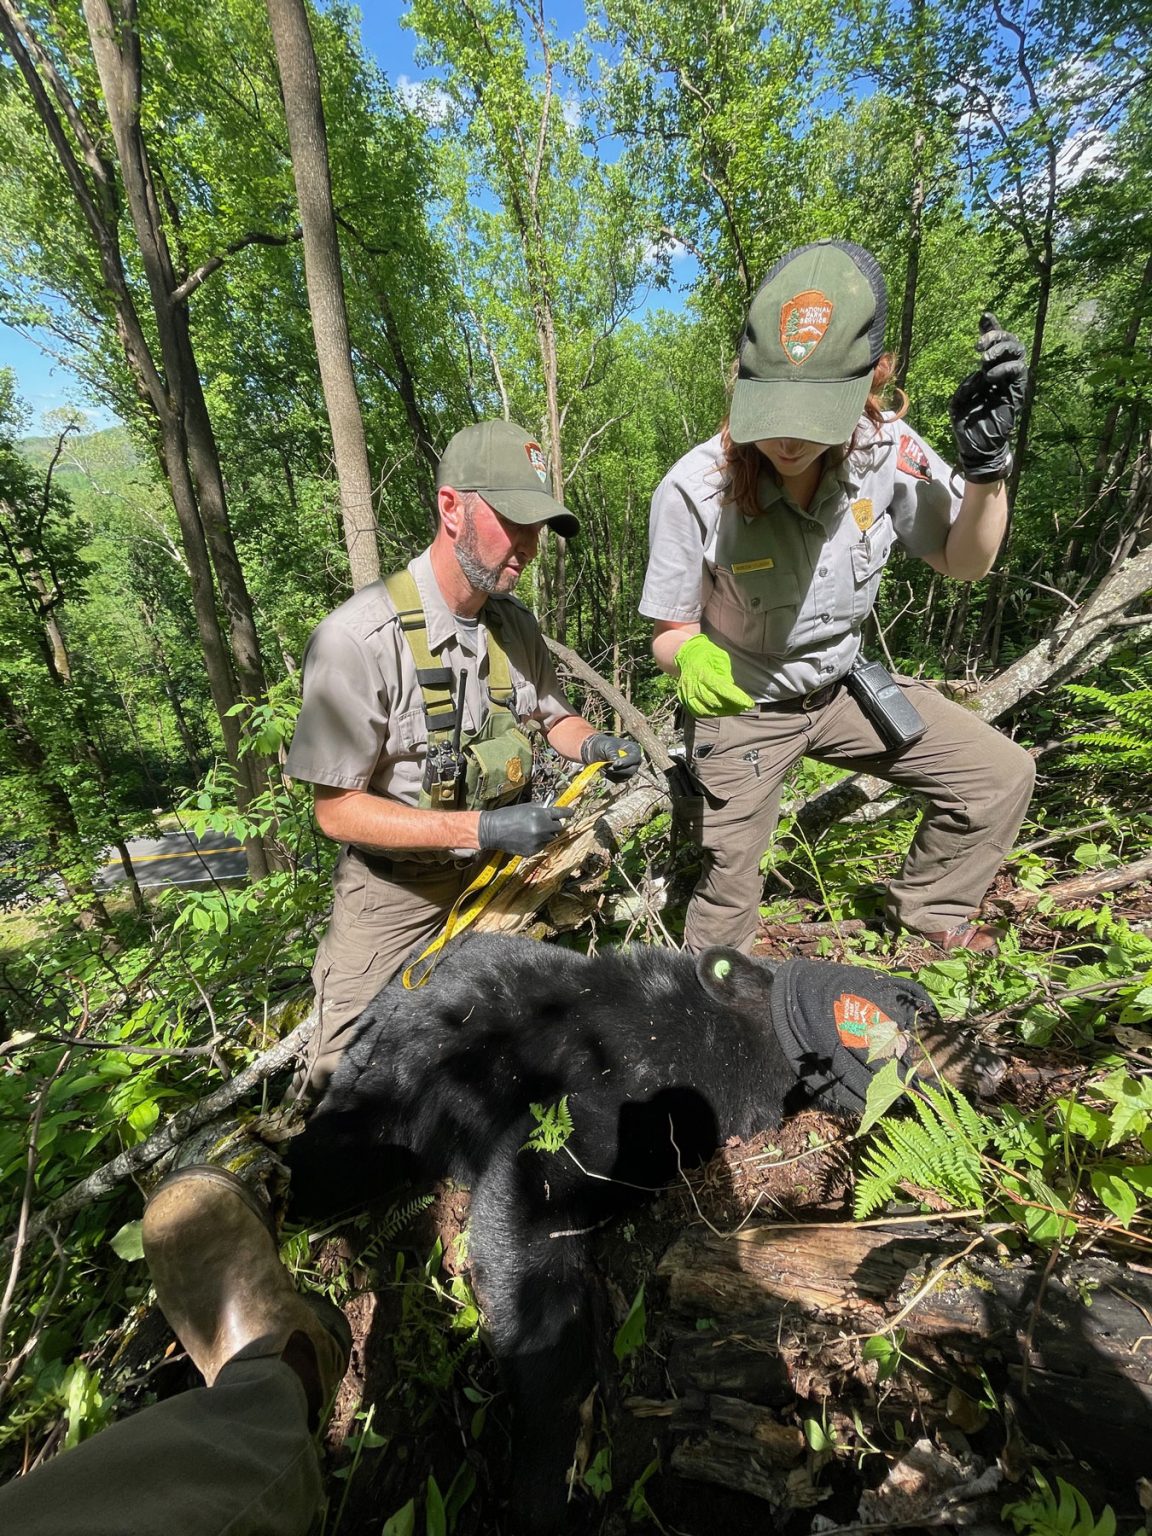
x: 755, y: 610
x: 527, y: 701
x: 413, y: 730
x: 869, y: 557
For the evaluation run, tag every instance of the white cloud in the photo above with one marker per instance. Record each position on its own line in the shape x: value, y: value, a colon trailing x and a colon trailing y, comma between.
x: 427, y: 99
x: 1086, y: 149
x: 665, y: 247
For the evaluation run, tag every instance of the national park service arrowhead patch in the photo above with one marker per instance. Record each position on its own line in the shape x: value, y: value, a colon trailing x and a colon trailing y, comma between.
x: 804, y: 319
x: 856, y: 1018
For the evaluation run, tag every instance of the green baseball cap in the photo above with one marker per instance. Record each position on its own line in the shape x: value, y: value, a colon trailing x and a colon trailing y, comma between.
x: 814, y: 334
x: 508, y: 468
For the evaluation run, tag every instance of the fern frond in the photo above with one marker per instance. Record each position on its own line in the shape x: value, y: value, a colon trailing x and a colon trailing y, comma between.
x: 941, y: 1150
x: 553, y: 1127
x: 397, y: 1218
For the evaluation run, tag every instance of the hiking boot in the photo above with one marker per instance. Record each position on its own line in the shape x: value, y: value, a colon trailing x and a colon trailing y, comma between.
x: 980, y: 938
x: 211, y: 1251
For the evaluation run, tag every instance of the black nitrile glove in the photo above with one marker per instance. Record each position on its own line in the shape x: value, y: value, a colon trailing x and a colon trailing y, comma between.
x: 985, y: 407
x: 523, y: 829
x: 621, y: 755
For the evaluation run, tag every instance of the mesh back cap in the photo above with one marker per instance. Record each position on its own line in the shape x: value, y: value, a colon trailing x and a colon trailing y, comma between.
x: 508, y: 468
x: 814, y: 334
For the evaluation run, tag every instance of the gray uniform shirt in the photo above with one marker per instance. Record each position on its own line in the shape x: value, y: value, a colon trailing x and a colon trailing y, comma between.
x: 361, y: 725
x: 786, y: 593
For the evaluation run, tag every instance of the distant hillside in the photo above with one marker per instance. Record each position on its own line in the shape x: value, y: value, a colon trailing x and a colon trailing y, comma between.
x: 109, y: 442
x: 86, y: 456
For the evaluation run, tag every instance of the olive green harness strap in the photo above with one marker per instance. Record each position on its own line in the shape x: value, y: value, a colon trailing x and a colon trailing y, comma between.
x: 436, y: 681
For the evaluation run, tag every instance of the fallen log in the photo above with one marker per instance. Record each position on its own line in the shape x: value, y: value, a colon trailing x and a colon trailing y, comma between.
x: 789, y: 1308
x: 175, y: 1131
x: 1081, y: 887
x: 560, y: 886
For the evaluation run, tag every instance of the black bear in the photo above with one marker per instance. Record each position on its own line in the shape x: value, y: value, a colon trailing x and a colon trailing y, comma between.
x: 659, y: 1057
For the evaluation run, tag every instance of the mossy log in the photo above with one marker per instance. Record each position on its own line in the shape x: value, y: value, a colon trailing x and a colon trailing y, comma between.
x: 777, y: 1317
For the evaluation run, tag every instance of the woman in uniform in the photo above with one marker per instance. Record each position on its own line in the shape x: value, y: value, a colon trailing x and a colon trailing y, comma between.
x: 767, y: 544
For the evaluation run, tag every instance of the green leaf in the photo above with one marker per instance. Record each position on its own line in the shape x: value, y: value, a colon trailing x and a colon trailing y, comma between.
x: 817, y: 1436
x: 127, y: 1243
x: 1082, y: 1120
x: 630, y: 1335
x: 462, y: 1488
x: 1116, y: 1194
x: 435, y: 1520
x: 83, y: 1403
x: 886, y: 1351
x: 885, y: 1088
x: 403, y: 1522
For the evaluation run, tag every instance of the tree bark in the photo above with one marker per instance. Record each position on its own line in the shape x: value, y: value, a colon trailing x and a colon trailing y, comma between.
x: 308, y: 140
x: 792, y: 1305
x: 1083, y: 887
x: 185, y: 444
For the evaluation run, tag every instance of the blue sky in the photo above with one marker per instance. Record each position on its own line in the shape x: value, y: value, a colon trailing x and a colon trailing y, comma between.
x: 45, y: 385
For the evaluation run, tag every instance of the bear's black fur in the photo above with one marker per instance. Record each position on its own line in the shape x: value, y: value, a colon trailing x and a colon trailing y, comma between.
x: 661, y: 1057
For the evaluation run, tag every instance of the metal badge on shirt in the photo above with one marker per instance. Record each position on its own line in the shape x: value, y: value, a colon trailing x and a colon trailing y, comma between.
x: 863, y: 513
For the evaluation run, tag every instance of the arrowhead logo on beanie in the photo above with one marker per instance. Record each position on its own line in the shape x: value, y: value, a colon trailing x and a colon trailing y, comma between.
x: 856, y: 1017
x: 804, y: 320
x: 831, y: 1019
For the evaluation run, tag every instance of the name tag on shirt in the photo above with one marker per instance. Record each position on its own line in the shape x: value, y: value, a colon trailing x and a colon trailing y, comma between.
x: 739, y: 567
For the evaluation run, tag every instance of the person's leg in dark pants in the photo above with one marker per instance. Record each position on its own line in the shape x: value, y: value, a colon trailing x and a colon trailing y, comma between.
x: 234, y: 1458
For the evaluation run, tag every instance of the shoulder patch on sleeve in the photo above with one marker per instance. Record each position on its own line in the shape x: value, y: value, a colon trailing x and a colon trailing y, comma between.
x: 912, y: 459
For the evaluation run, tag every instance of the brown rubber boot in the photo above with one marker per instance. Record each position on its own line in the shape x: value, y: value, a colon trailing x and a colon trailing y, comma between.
x: 212, y: 1255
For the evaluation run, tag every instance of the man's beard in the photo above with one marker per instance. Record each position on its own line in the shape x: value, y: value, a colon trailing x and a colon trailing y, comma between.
x: 485, y: 578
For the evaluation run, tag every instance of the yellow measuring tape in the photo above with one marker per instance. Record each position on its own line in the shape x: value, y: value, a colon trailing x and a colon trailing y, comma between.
x: 494, y: 875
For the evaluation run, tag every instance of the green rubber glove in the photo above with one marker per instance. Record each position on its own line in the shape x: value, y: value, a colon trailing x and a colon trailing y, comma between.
x: 705, y: 685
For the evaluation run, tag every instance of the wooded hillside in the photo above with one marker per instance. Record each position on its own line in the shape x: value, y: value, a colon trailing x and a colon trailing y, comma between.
x: 564, y: 226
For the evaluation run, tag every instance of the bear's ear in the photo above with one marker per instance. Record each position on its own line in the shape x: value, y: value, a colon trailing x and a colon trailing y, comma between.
x: 732, y: 979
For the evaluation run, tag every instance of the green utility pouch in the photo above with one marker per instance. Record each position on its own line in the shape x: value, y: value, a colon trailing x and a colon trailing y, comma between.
x: 491, y: 767
x: 497, y: 762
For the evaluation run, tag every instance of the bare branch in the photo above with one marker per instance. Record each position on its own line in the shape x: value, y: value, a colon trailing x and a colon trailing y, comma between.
x: 104, y: 1180
x: 214, y: 263
x: 583, y: 454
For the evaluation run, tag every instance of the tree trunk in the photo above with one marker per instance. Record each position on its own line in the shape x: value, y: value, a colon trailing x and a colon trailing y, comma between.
x: 63, y: 835
x: 189, y: 448
x: 92, y: 181
x: 171, y: 692
x: 915, y: 243
x: 308, y: 140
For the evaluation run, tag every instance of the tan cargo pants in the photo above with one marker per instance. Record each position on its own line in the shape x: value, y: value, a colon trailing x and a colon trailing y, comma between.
x: 977, y: 784
x: 235, y: 1459
x: 379, y: 916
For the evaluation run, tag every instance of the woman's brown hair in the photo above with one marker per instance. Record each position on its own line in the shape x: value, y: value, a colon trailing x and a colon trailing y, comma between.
x: 744, y: 463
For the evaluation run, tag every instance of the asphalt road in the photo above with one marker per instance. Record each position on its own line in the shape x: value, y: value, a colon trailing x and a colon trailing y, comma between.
x: 178, y: 858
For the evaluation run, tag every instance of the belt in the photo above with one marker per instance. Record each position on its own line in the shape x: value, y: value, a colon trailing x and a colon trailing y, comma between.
x: 410, y: 869
x: 816, y: 699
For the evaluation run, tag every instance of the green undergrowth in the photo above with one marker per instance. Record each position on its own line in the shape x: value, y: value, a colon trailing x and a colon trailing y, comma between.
x: 107, y: 1039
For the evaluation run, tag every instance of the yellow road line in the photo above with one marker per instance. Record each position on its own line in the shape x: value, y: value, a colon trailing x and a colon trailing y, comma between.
x: 188, y: 853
